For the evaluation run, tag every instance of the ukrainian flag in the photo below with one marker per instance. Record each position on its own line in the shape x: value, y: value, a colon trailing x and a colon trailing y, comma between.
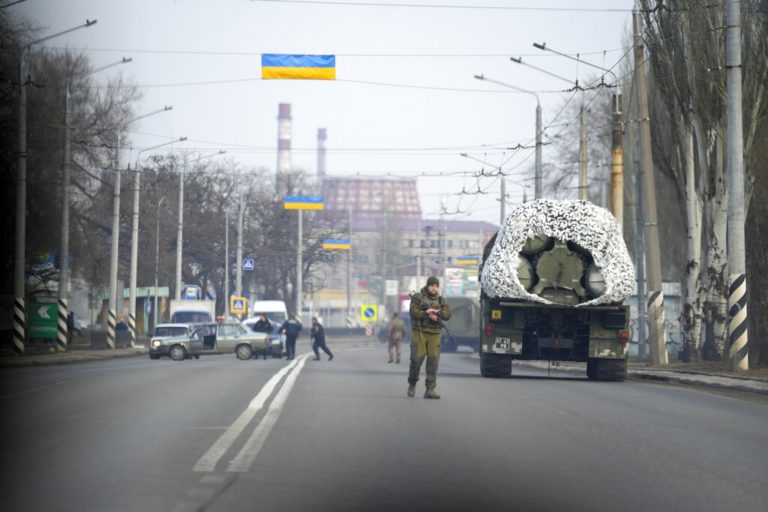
x: 343, y: 245
x: 466, y: 260
x: 303, y: 203
x: 302, y: 67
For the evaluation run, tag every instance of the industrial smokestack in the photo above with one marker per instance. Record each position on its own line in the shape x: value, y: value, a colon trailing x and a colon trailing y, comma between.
x: 321, y: 136
x: 283, y: 145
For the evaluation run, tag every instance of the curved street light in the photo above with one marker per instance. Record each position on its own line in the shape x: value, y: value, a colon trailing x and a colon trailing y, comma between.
x: 135, y: 238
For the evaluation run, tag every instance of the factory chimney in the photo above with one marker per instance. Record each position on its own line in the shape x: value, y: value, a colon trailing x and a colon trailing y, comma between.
x: 321, y: 136
x: 283, y: 146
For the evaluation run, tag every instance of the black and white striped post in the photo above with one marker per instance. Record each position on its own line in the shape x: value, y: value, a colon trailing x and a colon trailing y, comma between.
x: 737, y: 322
x: 737, y: 266
x: 657, y: 332
x: 132, y: 328
x: 61, y: 326
x: 19, y: 314
x: 111, y: 324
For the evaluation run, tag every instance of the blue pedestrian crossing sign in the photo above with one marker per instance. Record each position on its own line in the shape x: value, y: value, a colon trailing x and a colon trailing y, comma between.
x: 248, y: 264
x: 238, y: 305
x: 369, y: 313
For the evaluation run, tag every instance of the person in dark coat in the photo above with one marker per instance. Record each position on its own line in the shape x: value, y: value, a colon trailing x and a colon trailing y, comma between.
x: 317, y: 335
x: 263, y: 325
x: 291, y: 328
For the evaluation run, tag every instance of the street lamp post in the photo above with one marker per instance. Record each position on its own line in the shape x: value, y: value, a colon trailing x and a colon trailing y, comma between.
x: 180, y: 227
x: 135, y: 239
x: 157, y: 256
x: 19, y: 312
x: 538, y: 170
x: 63, y: 309
x: 114, y: 249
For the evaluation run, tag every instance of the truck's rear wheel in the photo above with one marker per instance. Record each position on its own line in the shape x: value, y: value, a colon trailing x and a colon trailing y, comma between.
x: 495, y: 366
x: 612, y: 370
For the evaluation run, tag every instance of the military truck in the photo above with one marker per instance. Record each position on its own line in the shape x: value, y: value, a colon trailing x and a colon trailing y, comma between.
x: 553, y: 283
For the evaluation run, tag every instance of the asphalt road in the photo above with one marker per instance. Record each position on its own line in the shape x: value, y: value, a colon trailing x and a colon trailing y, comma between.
x: 217, y: 434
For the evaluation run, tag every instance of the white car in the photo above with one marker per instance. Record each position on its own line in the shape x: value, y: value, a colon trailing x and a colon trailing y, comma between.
x: 163, y: 331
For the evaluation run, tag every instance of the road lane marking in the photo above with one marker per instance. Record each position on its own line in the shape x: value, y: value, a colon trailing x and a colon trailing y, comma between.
x: 253, y: 446
x: 217, y: 450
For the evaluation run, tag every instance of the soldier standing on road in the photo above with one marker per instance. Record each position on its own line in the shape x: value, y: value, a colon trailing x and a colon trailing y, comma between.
x: 395, y: 334
x: 291, y: 328
x: 317, y: 335
x: 425, y: 335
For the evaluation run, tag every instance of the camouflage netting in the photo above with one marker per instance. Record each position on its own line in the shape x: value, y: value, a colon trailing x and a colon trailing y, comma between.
x: 583, y: 223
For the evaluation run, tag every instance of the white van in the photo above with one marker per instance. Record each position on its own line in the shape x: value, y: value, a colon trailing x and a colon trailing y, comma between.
x: 277, y: 313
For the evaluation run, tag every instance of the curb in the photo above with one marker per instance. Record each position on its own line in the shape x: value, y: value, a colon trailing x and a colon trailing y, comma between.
x: 71, y: 357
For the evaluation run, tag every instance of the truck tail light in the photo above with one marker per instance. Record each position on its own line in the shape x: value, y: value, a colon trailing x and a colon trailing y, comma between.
x: 623, y: 336
x: 489, y: 329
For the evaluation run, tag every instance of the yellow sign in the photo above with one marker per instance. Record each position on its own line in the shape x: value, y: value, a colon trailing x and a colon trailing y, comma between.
x: 495, y: 314
x: 369, y: 313
x: 238, y: 305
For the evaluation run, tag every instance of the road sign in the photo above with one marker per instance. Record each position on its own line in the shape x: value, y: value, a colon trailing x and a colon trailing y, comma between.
x: 369, y: 313
x: 248, y: 264
x: 238, y: 305
x: 42, y: 320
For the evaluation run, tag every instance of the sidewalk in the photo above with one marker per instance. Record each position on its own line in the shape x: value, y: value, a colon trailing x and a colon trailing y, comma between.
x: 703, y: 374
x: 74, y: 355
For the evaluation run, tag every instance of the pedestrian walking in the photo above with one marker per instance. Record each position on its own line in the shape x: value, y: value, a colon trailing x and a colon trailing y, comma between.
x: 395, y: 335
x: 291, y: 328
x: 428, y: 310
x: 317, y: 335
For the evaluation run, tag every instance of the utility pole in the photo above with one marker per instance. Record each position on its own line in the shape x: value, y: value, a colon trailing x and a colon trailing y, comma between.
x: 738, y: 354
x: 63, y: 309
x: 226, y: 264
x: 583, y: 187
x: 299, y: 264
x: 20, y: 239
x: 179, y: 229
x: 539, y: 174
x: 113, y: 263
x: 503, y: 199
x: 642, y: 316
x: 239, y: 258
x: 135, y: 240
x: 657, y: 334
x: 617, y: 164
x: 349, y: 265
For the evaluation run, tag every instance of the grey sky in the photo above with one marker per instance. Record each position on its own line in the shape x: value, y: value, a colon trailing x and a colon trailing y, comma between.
x: 372, y: 129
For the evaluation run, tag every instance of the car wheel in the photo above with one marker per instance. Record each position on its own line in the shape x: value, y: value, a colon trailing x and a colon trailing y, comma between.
x: 244, y: 352
x: 177, y: 353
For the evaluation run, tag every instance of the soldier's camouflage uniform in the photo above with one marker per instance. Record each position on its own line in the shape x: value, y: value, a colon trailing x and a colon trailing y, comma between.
x: 425, y: 337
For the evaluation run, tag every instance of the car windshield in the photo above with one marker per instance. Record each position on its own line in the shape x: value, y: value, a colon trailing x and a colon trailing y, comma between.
x: 167, y: 331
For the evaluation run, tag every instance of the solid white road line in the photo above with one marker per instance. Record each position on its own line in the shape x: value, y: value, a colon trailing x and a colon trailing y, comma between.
x: 253, y: 446
x: 210, y: 458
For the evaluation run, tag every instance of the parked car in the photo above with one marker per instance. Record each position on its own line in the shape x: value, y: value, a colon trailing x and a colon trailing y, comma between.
x: 276, y: 340
x: 212, y: 339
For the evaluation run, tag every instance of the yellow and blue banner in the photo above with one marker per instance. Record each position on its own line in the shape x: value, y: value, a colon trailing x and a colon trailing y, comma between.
x: 466, y: 260
x: 343, y: 245
x: 298, y: 67
x: 303, y: 203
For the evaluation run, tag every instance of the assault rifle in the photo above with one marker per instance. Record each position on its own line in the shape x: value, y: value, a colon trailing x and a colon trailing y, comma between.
x: 424, y: 307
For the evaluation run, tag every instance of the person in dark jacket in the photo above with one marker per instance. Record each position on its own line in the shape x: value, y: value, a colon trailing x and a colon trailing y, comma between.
x: 263, y: 325
x: 317, y: 335
x: 291, y: 328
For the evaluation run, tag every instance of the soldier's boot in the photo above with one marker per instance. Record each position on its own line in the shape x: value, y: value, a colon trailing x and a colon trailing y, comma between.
x: 431, y: 393
x: 411, y: 390
x: 398, y: 361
